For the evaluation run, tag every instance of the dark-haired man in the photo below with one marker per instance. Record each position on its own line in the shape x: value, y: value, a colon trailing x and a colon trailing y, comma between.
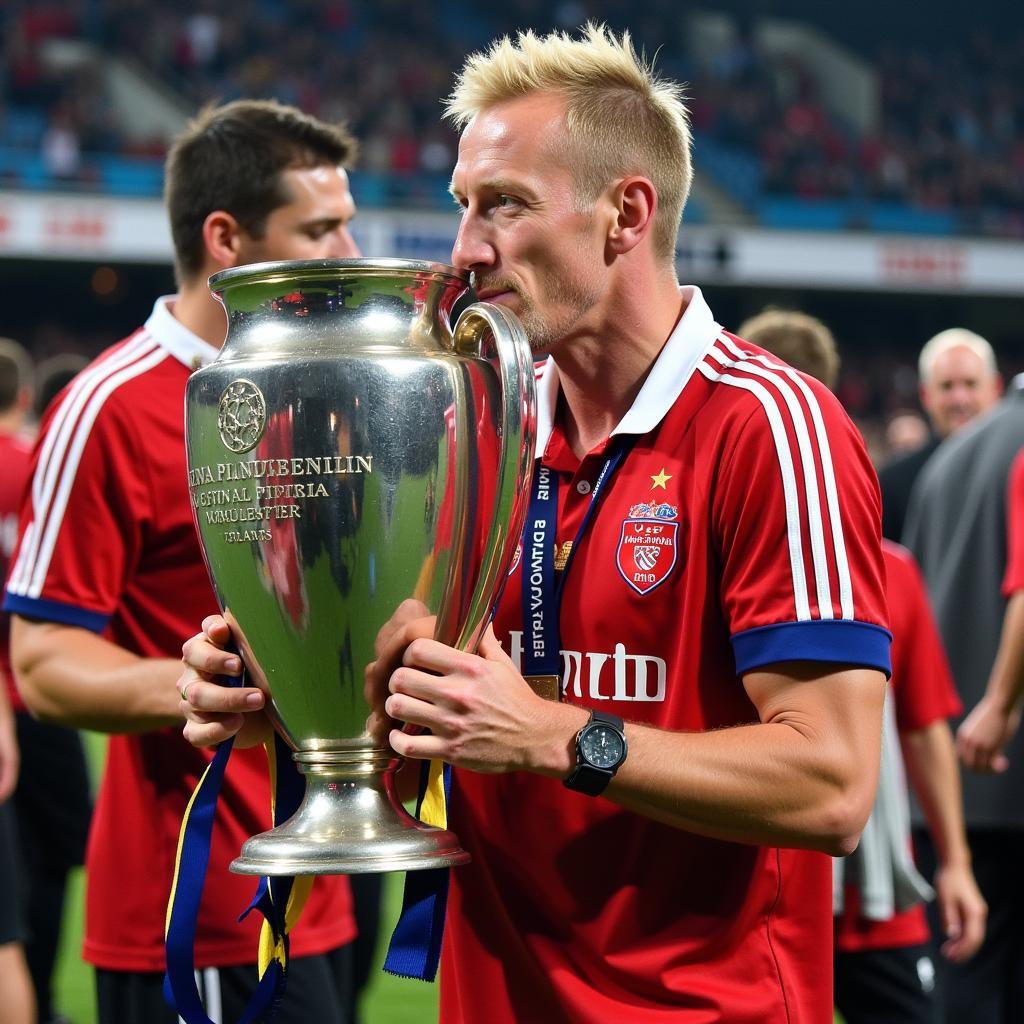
x: 108, y: 577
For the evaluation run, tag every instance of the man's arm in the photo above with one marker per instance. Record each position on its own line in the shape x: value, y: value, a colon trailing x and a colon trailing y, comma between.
x: 932, y: 768
x: 72, y: 676
x: 803, y: 776
x: 984, y: 734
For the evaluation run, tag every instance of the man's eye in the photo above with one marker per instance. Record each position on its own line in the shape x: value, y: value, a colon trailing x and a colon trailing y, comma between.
x: 505, y: 201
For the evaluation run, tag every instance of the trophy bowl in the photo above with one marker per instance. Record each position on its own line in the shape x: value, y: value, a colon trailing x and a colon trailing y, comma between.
x: 352, y: 461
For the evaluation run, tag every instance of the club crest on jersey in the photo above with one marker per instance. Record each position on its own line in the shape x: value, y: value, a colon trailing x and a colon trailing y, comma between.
x: 648, y: 549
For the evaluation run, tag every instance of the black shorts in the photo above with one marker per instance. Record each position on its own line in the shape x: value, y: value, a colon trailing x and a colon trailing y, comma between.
x: 317, y: 991
x: 886, y: 986
x: 12, y: 924
x: 52, y: 798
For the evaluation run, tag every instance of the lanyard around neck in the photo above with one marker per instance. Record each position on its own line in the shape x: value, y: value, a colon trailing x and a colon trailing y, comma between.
x: 542, y: 586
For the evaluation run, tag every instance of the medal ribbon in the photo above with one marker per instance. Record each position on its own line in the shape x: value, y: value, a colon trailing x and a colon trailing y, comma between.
x: 542, y: 587
x: 415, y: 948
x: 279, y: 900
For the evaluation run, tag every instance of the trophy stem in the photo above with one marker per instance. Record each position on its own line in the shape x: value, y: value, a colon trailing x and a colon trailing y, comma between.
x: 350, y: 821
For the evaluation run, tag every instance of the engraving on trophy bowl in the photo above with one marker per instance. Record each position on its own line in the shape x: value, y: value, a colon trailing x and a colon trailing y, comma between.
x: 242, y: 416
x: 353, y: 461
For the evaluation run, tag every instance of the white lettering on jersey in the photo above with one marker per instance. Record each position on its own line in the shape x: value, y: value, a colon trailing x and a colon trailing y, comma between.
x: 594, y: 675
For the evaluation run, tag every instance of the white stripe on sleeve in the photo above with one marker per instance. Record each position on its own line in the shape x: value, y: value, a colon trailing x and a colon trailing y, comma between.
x: 770, y: 405
x: 815, y: 524
x: 62, y: 465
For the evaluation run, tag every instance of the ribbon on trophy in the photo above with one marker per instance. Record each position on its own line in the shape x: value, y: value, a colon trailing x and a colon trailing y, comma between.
x: 280, y: 900
x: 415, y: 947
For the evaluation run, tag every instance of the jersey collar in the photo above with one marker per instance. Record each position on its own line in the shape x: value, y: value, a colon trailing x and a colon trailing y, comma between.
x: 686, y: 346
x: 175, y: 338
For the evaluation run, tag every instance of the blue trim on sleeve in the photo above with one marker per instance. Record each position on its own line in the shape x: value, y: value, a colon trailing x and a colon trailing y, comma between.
x: 836, y: 640
x: 55, y: 611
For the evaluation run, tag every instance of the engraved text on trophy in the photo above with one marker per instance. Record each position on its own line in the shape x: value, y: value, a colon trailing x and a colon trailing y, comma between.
x: 262, y: 491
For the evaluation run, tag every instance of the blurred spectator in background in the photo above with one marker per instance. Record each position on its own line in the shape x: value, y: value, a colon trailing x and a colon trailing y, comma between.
x: 957, y: 528
x: 958, y: 380
x: 53, y: 375
x: 906, y: 431
x: 51, y: 803
x: 883, y: 965
x: 17, y: 1000
x: 993, y: 723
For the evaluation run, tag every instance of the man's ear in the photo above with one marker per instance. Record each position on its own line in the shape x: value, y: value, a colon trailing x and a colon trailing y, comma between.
x: 636, y: 201
x: 221, y: 236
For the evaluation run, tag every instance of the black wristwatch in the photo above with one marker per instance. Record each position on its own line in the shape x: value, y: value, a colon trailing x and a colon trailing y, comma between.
x: 600, y: 750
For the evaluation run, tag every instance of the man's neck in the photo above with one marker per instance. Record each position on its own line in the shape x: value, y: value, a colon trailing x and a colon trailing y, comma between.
x: 601, y: 375
x: 196, y: 309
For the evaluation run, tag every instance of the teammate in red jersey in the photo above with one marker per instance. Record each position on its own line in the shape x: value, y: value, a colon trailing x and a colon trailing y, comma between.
x: 884, y: 970
x: 723, y: 597
x: 108, y: 577
x: 17, y: 999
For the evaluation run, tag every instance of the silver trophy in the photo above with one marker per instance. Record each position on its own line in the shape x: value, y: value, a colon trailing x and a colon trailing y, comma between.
x: 352, y: 462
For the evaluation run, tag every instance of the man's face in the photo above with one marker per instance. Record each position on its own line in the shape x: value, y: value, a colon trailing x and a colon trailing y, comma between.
x: 521, y: 234
x: 959, y: 387
x: 313, y: 225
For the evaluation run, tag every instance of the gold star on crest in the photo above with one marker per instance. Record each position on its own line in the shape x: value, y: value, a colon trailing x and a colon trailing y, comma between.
x: 660, y: 480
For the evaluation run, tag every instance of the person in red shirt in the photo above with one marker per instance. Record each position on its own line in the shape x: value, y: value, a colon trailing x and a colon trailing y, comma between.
x: 18, y: 1003
x: 108, y: 577
x: 883, y: 944
x: 700, y: 570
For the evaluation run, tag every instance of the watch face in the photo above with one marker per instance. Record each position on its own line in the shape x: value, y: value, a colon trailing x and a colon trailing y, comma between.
x: 601, y: 746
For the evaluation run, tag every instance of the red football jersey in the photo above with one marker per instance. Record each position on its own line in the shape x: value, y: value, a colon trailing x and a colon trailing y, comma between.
x: 15, y: 466
x: 1013, y: 579
x: 741, y: 530
x: 108, y: 544
x: 924, y: 693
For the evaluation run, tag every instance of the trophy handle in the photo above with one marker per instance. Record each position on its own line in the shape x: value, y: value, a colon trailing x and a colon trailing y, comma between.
x: 515, y: 466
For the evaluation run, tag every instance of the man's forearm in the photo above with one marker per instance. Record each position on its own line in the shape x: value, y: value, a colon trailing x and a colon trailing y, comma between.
x: 802, y: 779
x: 73, y: 677
x: 763, y: 784
x: 1006, y: 683
x: 934, y: 774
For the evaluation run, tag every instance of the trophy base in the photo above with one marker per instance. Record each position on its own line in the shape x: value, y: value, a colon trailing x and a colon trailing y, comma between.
x: 349, y: 822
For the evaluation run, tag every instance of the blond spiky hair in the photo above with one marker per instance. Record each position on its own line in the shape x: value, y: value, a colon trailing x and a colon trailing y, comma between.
x: 621, y: 118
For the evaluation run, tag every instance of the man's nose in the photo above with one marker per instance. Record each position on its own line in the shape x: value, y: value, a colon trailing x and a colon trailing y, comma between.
x: 472, y: 249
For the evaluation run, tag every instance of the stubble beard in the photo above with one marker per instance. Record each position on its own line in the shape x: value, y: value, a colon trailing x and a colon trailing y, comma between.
x: 571, y: 299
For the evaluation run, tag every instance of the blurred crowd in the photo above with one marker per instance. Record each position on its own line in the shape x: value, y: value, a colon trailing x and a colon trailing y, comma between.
x: 950, y: 132
x: 948, y: 136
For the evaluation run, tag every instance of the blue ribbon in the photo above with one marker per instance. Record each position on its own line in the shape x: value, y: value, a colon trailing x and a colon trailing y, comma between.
x: 542, y: 586
x: 415, y: 947
x: 271, y: 899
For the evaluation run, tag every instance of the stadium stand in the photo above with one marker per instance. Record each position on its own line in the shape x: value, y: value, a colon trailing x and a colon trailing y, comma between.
x: 934, y: 147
